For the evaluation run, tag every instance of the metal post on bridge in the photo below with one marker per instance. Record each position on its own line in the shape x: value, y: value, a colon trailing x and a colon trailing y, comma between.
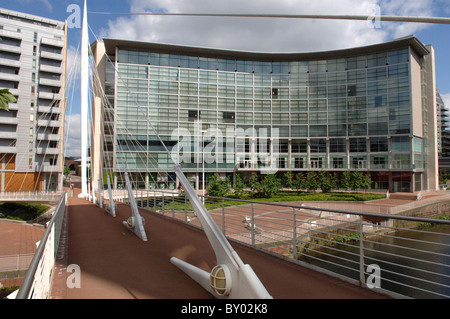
x: 112, y: 206
x: 362, y: 278
x: 100, y: 198
x: 135, y: 223
x: 294, y: 233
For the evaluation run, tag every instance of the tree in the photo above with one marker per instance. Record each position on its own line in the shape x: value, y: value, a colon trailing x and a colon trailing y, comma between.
x: 254, y: 184
x: 366, y: 182
x: 346, y: 179
x: 217, y: 187
x: 5, y: 98
x: 356, y: 180
x: 66, y: 171
x: 239, y: 186
x: 300, y: 182
x: 270, y: 185
x: 288, y: 180
x: 324, y: 182
x: 311, y: 181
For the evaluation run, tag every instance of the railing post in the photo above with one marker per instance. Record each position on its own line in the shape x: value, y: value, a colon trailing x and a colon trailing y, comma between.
x: 362, y: 278
x: 173, y: 206
x: 223, y: 216
x: 154, y: 201
x: 294, y: 234
x: 253, y: 226
x: 163, y: 204
x: 185, y: 209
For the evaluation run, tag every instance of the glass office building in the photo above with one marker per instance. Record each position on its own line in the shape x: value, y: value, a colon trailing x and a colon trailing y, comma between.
x: 370, y: 109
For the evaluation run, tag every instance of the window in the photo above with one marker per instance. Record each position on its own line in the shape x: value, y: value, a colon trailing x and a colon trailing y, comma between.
x: 358, y: 145
x: 274, y: 94
x: 318, y: 146
x: 401, y: 144
x: 299, y: 146
x: 338, y: 162
x: 284, y: 146
x: 379, y: 162
x: 351, y: 90
x: 229, y: 117
x: 378, y: 144
x: 299, y: 162
x: 193, y: 115
x: 337, y: 146
x: 281, y: 162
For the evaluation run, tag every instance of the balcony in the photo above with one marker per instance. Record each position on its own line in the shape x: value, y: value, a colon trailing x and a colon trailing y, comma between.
x: 8, y: 149
x: 9, y: 62
x: 8, y: 135
x: 10, y: 48
x: 50, y: 82
x: 53, y: 42
x: 51, y: 56
x: 9, y: 77
x: 47, y: 151
x: 47, y: 168
x: 49, y: 109
x: 49, y: 96
x: 48, y: 123
x: 48, y: 137
x: 10, y: 34
x: 13, y: 106
x: 8, y: 120
x: 51, y: 69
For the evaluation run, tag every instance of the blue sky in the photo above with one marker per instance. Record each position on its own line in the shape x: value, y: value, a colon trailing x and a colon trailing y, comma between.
x: 266, y: 35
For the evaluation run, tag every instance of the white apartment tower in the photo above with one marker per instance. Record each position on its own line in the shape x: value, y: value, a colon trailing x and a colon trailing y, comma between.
x: 32, y: 67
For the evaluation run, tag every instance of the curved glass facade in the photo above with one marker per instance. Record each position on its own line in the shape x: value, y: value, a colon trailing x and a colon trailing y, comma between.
x: 336, y: 114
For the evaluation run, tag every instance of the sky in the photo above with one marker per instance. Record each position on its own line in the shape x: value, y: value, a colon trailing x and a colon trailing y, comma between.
x: 250, y: 34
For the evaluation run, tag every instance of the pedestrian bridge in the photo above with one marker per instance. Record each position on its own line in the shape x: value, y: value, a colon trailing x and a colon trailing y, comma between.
x: 114, y: 263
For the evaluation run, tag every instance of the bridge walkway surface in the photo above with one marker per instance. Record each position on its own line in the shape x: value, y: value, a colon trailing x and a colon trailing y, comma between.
x: 115, y: 264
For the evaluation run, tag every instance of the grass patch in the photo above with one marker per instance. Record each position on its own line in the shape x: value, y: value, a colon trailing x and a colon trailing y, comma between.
x: 21, y: 211
x: 284, y: 196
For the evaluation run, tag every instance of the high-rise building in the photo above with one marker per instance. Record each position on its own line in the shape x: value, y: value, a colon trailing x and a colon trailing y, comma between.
x: 32, y: 67
x: 443, y: 135
x: 443, y: 127
x: 371, y: 109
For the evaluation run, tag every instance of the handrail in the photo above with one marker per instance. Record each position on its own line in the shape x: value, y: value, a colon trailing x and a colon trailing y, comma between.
x: 57, y: 218
x: 366, y: 214
x: 342, y: 243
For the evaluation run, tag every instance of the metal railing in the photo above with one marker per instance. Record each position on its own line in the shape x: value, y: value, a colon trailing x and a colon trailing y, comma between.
x: 30, y: 196
x: 37, y: 281
x: 15, y: 262
x: 411, y: 254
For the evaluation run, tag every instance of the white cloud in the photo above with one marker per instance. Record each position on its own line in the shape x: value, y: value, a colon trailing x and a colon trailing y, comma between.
x: 270, y: 35
x: 73, y: 63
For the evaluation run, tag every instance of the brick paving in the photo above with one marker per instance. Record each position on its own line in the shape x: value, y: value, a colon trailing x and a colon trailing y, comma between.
x: 18, y: 238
